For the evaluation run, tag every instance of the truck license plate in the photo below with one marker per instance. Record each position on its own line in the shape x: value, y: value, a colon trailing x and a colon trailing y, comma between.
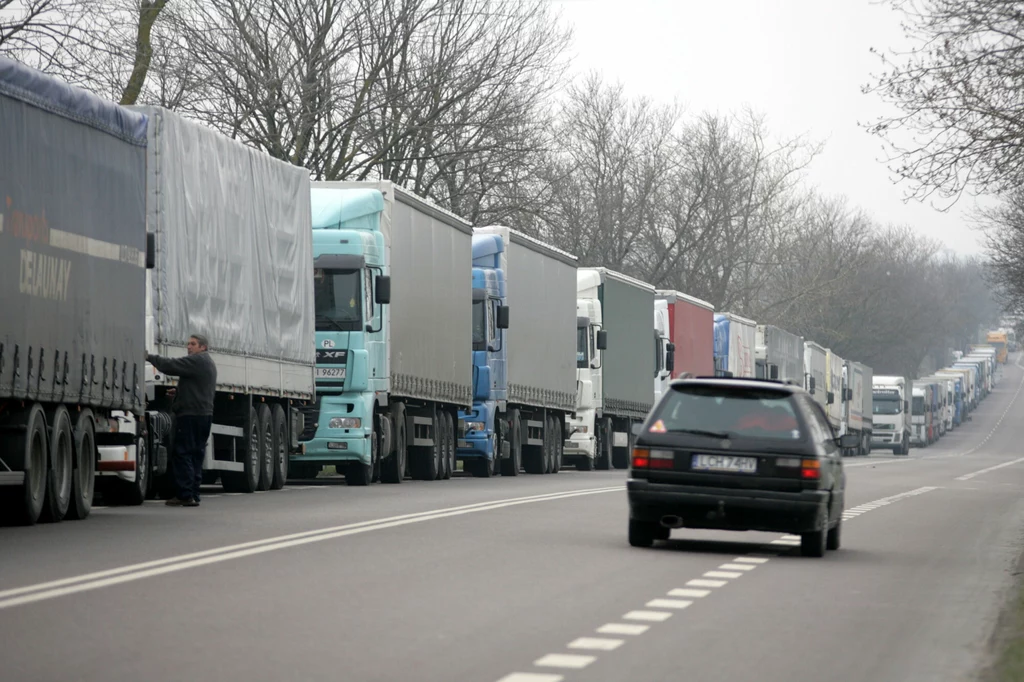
x: 330, y: 373
x: 742, y: 465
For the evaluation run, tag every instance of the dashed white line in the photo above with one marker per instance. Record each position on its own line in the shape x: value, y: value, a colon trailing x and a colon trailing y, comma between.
x: 706, y: 583
x: 532, y: 677
x: 596, y: 643
x: 722, y: 574
x: 683, y: 592
x: 967, y: 477
x: 653, y: 616
x: 667, y: 604
x: 737, y: 567
x: 750, y: 560
x: 623, y: 629
x: 576, y: 661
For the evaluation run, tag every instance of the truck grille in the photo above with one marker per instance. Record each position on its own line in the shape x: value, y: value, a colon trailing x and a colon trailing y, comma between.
x: 311, y: 417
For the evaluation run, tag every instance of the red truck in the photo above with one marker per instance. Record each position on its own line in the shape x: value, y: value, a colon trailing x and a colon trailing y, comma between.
x: 688, y: 324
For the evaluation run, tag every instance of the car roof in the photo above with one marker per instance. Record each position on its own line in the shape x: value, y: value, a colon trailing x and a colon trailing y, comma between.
x: 751, y: 383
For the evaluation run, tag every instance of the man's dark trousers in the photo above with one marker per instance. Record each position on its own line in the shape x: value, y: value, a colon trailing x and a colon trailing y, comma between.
x: 190, y: 436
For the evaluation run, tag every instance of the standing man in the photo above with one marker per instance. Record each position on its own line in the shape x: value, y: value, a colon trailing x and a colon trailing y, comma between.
x: 193, y: 410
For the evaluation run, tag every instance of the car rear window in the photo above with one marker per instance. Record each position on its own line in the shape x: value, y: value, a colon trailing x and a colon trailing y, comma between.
x: 735, y: 411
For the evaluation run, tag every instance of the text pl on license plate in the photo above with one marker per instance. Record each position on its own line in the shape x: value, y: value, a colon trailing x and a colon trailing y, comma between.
x: 743, y: 465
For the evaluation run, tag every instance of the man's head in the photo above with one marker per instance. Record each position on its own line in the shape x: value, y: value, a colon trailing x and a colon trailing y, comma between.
x: 197, y: 343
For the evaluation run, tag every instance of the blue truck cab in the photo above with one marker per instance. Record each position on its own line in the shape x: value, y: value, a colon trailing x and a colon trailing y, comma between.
x: 490, y: 355
x: 351, y: 290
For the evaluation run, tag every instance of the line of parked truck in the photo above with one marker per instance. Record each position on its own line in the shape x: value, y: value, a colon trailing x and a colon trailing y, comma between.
x: 918, y: 412
x: 353, y: 324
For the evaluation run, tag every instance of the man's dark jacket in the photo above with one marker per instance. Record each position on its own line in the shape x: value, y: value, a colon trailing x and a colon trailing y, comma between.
x: 197, y: 382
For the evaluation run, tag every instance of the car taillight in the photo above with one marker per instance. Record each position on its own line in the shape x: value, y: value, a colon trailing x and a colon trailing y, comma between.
x: 641, y: 458
x: 810, y: 468
x: 662, y: 459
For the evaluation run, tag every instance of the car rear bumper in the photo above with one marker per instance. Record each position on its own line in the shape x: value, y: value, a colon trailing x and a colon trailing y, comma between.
x: 727, y: 508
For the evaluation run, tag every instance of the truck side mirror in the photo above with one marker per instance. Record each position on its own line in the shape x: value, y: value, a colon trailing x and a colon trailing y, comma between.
x: 150, y: 250
x: 906, y: 406
x: 602, y: 340
x: 670, y: 358
x: 810, y: 386
x: 773, y: 372
x: 502, y: 317
x: 382, y: 290
x: 830, y: 398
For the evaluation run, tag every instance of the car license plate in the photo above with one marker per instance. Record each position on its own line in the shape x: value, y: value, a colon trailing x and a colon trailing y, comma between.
x: 330, y: 373
x: 742, y: 465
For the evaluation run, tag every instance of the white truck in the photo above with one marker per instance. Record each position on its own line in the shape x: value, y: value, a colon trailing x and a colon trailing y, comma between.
x: 664, y: 350
x: 891, y: 413
x: 615, y: 361
x: 233, y: 262
x: 858, y: 381
x: 815, y: 370
x: 835, y: 401
x: 779, y: 355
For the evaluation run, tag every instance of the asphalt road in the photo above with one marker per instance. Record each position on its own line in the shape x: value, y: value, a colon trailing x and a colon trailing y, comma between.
x: 526, y: 580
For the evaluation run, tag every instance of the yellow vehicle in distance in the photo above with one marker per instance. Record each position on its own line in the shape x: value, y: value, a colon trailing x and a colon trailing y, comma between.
x: 999, y: 340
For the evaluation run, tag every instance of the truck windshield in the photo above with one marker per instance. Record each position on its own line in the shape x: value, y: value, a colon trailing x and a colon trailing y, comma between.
x: 337, y: 299
x: 581, y: 348
x: 917, y: 407
x: 479, y: 325
x: 886, y: 405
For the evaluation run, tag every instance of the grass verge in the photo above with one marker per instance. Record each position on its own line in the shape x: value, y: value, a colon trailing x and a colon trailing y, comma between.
x: 1007, y: 645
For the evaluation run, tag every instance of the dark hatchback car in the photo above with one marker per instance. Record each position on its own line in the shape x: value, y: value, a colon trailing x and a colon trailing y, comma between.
x: 738, y: 454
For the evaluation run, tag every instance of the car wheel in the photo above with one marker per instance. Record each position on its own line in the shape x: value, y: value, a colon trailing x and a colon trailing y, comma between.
x: 641, y: 533
x: 833, y: 540
x: 812, y: 544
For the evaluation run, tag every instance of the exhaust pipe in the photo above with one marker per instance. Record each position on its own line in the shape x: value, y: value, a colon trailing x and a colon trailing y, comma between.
x: 671, y: 521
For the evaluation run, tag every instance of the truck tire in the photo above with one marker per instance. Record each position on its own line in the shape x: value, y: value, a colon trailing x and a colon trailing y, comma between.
x: 393, y: 467
x: 83, y: 478
x: 603, y: 445
x: 424, y: 461
x: 134, y: 493
x: 266, y: 426
x: 535, y: 458
x: 58, y: 478
x: 357, y: 473
x: 449, y: 446
x: 26, y: 502
x: 248, y: 479
x: 280, y: 429
x: 510, y: 466
x: 559, y: 445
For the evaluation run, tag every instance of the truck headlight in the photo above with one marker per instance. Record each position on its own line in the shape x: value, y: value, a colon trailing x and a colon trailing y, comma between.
x: 344, y: 423
x: 475, y: 426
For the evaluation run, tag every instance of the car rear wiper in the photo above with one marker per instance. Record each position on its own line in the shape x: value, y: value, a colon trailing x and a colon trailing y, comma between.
x: 700, y: 432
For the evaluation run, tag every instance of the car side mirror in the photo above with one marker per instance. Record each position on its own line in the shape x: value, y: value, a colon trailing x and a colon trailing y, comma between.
x: 382, y: 290
x: 602, y: 340
x: 503, y: 317
x: 670, y: 358
x: 848, y: 441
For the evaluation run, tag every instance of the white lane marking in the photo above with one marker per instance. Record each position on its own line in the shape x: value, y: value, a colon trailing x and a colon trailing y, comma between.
x: 750, y: 560
x: 653, y: 616
x: 722, y: 574
x: 706, y: 583
x: 233, y: 494
x: 623, y: 629
x: 96, y: 506
x: 576, y: 661
x: 737, y: 567
x: 790, y: 537
x: 596, y: 643
x: 532, y: 677
x: 124, y: 574
x: 791, y: 543
x: 667, y: 604
x: 967, y: 477
x: 683, y: 592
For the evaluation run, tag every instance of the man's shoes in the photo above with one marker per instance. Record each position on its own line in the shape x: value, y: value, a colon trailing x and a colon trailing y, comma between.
x: 175, y: 502
x: 190, y: 503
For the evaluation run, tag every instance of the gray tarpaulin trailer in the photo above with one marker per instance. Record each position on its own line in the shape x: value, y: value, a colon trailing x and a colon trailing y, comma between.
x: 72, y: 286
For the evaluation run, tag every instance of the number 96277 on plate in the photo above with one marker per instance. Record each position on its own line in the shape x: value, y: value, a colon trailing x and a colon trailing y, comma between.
x: 329, y: 373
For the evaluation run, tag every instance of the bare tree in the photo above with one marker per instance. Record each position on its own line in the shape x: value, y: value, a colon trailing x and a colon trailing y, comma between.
x: 959, y: 92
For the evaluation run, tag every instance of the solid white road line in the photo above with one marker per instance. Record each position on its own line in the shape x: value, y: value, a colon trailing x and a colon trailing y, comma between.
x: 653, y: 616
x: 623, y: 629
x: 967, y: 477
x: 596, y: 643
x: 124, y: 574
x: 575, y: 661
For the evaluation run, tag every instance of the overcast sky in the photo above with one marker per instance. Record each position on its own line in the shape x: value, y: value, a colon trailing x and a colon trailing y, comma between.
x: 800, y: 62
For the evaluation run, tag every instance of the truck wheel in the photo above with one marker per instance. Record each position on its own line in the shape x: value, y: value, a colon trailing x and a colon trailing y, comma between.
x: 134, y: 493
x: 249, y: 478
x: 510, y: 466
x: 499, y: 437
x: 357, y: 473
x: 378, y: 434
x: 266, y: 427
x: 535, y: 458
x: 603, y: 445
x: 58, y: 479
x: 279, y: 424
x: 83, y: 478
x: 424, y: 461
x: 393, y: 467
x: 27, y: 501
x: 556, y: 445
x: 449, y: 446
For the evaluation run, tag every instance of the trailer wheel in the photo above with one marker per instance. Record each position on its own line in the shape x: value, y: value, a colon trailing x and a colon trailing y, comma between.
x: 134, y: 492
x: 58, y: 479
x: 450, y: 466
x: 510, y: 466
x: 249, y: 478
x: 393, y: 467
x: 425, y: 461
x: 549, y: 445
x: 279, y: 426
x: 266, y: 427
x: 559, y: 444
x: 26, y: 501
x: 83, y: 478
